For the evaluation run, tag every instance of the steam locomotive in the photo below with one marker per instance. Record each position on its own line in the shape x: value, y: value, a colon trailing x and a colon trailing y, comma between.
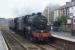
x: 34, y: 27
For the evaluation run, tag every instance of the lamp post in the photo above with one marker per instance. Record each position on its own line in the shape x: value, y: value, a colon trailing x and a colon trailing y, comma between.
x: 72, y: 25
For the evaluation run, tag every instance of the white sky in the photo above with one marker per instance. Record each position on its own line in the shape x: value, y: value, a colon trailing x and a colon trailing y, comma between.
x: 14, y: 8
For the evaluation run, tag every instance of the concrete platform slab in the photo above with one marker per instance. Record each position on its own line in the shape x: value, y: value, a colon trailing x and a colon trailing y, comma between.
x: 64, y: 36
x: 3, y: 45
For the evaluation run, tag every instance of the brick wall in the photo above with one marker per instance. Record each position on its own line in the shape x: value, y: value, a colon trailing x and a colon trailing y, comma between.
x: 65, y: 45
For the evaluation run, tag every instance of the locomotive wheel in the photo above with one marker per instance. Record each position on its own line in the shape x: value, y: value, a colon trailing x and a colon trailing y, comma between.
x: 32, y: 39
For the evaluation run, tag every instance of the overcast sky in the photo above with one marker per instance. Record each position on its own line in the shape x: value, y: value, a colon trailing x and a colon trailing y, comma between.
x: 14, y: 8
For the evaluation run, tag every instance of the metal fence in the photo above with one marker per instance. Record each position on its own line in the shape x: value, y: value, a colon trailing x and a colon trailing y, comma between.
x: 62, y: 28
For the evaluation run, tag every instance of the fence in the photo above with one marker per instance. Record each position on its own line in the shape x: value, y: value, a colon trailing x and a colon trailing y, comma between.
x: 63, y: 28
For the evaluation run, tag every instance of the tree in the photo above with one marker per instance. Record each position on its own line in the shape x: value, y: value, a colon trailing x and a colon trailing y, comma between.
x: 63, y: 20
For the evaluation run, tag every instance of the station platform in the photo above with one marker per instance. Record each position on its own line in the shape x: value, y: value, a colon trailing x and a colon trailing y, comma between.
x: 63, y: 35
x: 3, y: 45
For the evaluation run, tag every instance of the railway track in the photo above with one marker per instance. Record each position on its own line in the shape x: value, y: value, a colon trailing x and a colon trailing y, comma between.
x: 16, y: 42
x: 11, y: 42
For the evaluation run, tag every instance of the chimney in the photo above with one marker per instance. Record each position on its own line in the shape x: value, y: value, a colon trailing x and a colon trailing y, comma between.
x: 72, y: 0
x: 67, y: 3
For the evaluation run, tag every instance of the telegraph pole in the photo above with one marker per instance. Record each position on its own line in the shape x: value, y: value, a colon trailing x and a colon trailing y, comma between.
x: 48, y: 15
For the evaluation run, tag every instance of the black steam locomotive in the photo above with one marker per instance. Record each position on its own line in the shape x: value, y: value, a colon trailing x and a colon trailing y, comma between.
x: 34, y: 27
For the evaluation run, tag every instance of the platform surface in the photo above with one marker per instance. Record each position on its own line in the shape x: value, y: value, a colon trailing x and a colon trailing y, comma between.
x: 3, y: 45
x: 63, y: 35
